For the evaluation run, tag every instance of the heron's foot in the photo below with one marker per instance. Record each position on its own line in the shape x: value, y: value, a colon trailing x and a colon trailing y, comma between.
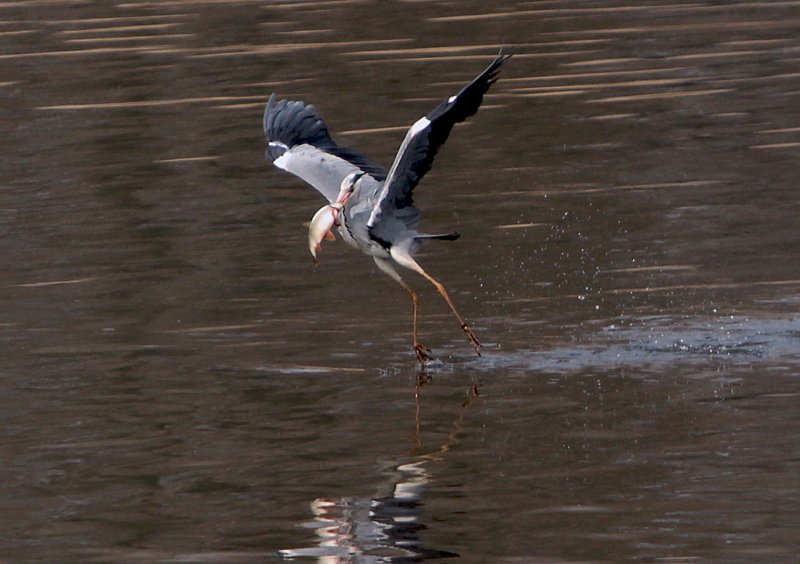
x: 473, y: 340
x: 423, y: 353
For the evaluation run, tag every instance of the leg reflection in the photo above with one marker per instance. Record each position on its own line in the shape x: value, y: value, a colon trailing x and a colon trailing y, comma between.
x: 387, y: 527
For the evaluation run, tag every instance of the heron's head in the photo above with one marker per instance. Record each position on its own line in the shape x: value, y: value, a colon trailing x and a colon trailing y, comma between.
x: 348, y: 186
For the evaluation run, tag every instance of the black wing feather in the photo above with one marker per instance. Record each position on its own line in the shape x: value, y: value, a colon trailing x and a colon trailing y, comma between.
x: 294, y: 123
x: 418, y: 156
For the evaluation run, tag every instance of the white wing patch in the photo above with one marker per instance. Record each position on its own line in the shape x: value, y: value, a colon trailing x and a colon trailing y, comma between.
x: 280, y: 145
x: 452, y: 99
x: 283, y: 161
x: 418, y: 126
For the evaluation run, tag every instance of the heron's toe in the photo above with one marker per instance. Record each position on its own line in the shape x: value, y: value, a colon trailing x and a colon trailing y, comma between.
x: 476, y: 344
x: 423, y: 353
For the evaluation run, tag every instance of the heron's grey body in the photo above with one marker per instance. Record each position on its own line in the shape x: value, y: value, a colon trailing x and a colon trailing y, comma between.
x: 372, y: 207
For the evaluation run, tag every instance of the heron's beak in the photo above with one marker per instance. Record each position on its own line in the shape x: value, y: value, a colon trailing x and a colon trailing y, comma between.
x: 320, y: 228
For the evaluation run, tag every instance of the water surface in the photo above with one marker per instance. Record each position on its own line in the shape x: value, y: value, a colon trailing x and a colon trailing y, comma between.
x: 180, y: 384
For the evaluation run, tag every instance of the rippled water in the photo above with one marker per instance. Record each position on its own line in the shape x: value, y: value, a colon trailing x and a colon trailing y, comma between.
x: 180, y: 384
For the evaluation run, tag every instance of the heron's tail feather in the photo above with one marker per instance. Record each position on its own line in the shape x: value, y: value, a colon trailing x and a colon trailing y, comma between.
x: 441, y: 236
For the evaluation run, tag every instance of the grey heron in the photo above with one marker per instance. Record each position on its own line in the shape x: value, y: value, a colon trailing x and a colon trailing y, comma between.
x: 372, y: 208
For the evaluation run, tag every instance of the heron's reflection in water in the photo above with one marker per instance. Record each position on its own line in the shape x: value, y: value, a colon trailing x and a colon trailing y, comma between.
x: 385, y: 528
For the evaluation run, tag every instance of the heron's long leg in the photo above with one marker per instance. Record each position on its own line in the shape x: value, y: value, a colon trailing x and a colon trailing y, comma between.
x: 406, y: 260
x: 421, y: 350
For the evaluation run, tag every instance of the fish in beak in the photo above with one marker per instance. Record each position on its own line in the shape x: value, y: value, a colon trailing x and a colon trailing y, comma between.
x: 321, y: 227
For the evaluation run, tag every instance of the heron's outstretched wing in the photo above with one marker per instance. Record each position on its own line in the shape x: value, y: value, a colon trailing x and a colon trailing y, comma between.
x: 299, y: 142
x: 421, y: 143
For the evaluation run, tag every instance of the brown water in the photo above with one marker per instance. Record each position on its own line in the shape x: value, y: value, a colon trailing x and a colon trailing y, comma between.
x: 179, y: 384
